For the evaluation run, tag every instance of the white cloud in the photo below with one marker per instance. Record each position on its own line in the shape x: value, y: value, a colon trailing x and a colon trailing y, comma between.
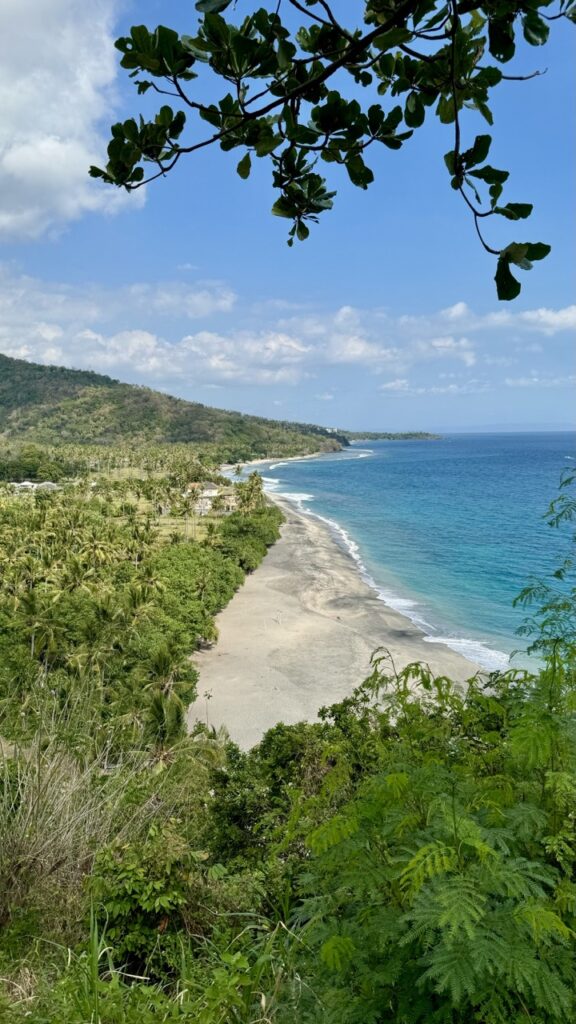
x: 460, y: 348
x: 541, y: 381
x: 400, y: 384
x: 192, y: 301
x: 346, y: 317
x: 135, y: 332
x: 402, y: 388
x: 353, y: 348
x: 551, y: 320
x: 57, y: 73
x: 178, y: 335
x: 260, y: 358
x: 456, y: 312
x: 29, y: 304
x: 545, y: 321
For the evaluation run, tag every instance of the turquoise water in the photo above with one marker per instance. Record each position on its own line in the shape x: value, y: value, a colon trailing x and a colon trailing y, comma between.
x: 447, y: 531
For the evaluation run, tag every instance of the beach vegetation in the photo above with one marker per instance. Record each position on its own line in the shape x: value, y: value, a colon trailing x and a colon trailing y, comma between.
x: 408, y: 858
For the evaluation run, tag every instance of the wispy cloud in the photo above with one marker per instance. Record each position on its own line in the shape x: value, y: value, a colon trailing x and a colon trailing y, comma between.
x: 181, y: 335
x: 541, y: 381
x: 545, y: 321
x: 549, y: 321
x: 401, y: 388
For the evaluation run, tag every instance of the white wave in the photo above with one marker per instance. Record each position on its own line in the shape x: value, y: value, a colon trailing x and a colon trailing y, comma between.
x: 296, y: 497
x: 347, y: 456
x: 342, y: 456
x: 474, y: 650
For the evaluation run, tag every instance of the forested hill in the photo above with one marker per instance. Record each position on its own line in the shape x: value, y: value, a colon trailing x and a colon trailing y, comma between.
x: 54, y: 405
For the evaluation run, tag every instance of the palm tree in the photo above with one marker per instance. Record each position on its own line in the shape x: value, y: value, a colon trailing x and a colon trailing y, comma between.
x: 164, y: 722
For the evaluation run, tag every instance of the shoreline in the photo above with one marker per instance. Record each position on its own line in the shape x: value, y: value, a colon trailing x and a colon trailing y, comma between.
x: 228, y: 467
x: 299, y: 634
x: 480, y: 653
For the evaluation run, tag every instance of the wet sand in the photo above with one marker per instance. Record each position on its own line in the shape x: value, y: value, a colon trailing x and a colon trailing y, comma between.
x: 299, y: 635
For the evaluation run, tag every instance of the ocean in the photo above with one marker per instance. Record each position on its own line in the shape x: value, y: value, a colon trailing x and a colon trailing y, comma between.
x: 448, y: 531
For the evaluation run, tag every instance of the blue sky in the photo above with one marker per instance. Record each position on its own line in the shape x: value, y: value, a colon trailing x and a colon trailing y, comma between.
x: 386, y: 318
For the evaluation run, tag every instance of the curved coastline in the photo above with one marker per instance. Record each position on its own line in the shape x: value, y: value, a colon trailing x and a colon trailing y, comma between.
x: 488, y: 658
x: 299, y: 635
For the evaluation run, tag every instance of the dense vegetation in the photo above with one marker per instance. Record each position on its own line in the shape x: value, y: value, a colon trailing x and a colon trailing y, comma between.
x: 51, y: 405
x: 375, y: 435
x: 407, y: 859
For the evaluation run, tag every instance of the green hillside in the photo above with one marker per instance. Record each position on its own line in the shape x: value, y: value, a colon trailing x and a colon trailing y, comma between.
x: 54, y: 405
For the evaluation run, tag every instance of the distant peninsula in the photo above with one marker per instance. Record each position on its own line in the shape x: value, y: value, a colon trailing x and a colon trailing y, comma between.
x: 384, y: 435
x: 54, y: 405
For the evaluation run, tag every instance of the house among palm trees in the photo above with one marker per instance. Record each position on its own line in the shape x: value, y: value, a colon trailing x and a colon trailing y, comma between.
x: 230, y: 499
x: 32, y: 485
x: 211, y: 498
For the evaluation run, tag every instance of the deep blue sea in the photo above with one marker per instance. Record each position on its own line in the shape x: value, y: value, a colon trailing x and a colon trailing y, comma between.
x: 449, y: 531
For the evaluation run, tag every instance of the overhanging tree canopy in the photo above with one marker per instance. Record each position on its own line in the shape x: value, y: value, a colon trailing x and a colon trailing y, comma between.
x: 297, y: 97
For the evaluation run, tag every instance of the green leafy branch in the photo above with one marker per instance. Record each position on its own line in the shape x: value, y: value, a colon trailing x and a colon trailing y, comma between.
x: 286, y: 99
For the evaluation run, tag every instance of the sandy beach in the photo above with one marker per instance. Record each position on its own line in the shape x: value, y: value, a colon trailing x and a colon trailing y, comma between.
x: 299, y: 634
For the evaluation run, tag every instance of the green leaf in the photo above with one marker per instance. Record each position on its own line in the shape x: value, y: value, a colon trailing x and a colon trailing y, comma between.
x: 283, y: 208
x: 302, y: 232
x: 516, y: 253
x: 491, y: 175
x: 537, y: 251
x: 524, y: 254
x: 337, y: 951
x: 286, y: 52
x: 212, y: 6
x: 450, y: 161
x: 484, y: 109
x: 392, y: 38
x: 245, y: 166
x: 267, y: 144
x: 501, y: 39
x: 358, y: 173
x: 514, y: 211
x: 445, y: 109
x: 478, y: 152
x: 414, y: 112
x: 495, y: 192
x: 507, y: 286
x: 536, y: 31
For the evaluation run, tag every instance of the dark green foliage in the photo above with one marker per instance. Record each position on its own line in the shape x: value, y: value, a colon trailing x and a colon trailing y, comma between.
x: 36, y: 464
x: 145, y: 889
x: 53, y: 405
x: 244, y: 537
x: 407, y: 859
x: 320, y: 93
x: 552, y: 603
x: 374, y: 435
x: 92, y: 600
x: 443, y: 889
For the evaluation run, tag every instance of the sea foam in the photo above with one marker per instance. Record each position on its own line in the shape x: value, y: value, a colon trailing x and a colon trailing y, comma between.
x: 474, y: 650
